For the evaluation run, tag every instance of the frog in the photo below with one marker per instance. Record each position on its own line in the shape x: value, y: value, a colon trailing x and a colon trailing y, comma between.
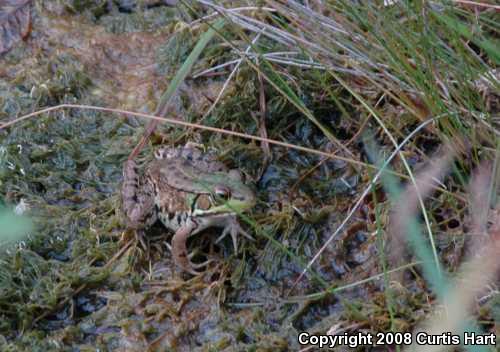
x: 188, y: 190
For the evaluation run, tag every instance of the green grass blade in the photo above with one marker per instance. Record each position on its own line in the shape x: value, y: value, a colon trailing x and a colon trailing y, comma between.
x: 489, y: 46
x: 186, y: 67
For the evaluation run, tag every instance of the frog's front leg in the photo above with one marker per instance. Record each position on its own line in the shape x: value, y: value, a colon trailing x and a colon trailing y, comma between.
x: 138, y: 204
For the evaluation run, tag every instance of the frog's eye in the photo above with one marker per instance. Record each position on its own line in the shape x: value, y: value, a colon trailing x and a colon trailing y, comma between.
x: 222, y: 192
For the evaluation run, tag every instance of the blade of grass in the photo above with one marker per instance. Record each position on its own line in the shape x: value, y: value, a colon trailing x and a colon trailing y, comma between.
x: 164, y: 102
x: 489, y: 46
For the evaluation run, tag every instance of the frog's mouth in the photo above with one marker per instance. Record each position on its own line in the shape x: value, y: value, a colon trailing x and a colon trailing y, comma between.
x: 230, y: 207
x: 208, y: 205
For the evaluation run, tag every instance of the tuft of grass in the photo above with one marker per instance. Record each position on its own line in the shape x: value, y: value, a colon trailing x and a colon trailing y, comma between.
x: 458, y: 294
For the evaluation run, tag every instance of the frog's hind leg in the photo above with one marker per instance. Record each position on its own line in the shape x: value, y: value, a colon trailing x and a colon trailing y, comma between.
x: 138, y: 205
x: 179, y: 248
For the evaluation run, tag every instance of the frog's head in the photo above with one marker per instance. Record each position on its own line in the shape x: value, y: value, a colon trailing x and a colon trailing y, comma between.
x: 226, y: 193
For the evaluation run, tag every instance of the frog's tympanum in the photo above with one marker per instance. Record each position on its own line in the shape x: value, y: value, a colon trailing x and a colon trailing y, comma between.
x: 188, y: 191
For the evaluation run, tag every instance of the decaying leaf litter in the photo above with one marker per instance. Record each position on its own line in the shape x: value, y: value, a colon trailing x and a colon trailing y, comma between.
x: 81, y: 280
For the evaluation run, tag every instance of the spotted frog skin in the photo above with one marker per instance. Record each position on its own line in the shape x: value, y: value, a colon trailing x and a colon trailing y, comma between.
x: 188, y: 191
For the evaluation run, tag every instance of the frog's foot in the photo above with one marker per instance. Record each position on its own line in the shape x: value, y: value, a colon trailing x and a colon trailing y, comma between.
x: 234, y: 229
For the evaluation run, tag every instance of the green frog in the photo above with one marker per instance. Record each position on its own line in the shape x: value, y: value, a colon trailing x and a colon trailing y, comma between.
x: 188, y: 190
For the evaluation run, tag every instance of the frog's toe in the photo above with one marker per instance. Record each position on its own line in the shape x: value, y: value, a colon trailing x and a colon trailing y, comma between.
x: 246, y: 234
x: 192, y: 271
x: 191, y: 267
x: 234, y: 229
x: 201, y: 265
x: 229, y: 230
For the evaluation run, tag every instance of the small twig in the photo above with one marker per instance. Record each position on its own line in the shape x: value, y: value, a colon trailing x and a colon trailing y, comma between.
x: 230, y: 133
x: 478, y: 4
x: 262, y: 122
x: 194, y: 125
